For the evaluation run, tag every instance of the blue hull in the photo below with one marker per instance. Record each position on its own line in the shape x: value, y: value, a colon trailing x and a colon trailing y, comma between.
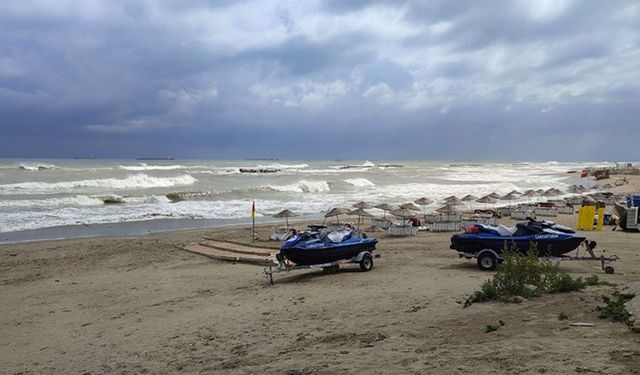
x: 325, y: 253
x: 546, y: 244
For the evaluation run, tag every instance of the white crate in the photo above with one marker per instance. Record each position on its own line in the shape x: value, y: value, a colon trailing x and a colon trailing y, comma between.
x: 400, y: 231
x: 546, y: 211
x: 445, y: 226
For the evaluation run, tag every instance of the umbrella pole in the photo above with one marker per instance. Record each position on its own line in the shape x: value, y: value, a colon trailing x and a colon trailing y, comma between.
x: 286, y: 220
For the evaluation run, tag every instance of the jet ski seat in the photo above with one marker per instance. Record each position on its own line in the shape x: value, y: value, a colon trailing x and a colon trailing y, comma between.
x: 505, y: 231
x: 500, y: 230
x: 339, y: 236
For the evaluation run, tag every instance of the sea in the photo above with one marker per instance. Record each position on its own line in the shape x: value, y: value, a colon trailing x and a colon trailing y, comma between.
x: 37, y: 194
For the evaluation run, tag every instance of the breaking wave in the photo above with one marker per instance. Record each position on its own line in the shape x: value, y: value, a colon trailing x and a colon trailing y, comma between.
x: 139, y: 181
x: 359, y: 182
x: 145, y: 167
x: 36, y: 167
x: 302, y: 186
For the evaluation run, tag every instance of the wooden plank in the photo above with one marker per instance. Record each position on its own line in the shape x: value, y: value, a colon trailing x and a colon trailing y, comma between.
x: 229, y: 255
x: 242, y: 249
x: 274, y: 247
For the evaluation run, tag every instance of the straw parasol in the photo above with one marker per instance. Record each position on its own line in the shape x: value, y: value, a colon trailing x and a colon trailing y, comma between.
x: 508, y: 197
x: 363, y: 205
x: 515, y: 192
x: 540, y: 191
x: 494, y: 195
x: 486, y: 200
x: 384, y: 207
x: 469, y: 197
x: 452, y: 200
x: 360, y: 212
x: 410, y: 206
x: 404, y: 213
x: 286, y: 214
x: 423, y: 202
x: 336, y: 211
x: 447, y: 209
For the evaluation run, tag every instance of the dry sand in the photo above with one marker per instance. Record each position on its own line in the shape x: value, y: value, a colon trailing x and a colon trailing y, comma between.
x: 140, y: 305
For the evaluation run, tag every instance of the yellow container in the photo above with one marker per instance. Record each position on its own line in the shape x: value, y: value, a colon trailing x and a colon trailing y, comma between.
x: 585, y: 217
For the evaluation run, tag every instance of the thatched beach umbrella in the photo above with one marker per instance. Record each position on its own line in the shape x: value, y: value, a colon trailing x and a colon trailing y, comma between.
x: 493, y: 195
x: 508, y: 197
x: 530, y: 194
x: 384, y: 207
x: 423, y: 202
x: 360, y: 212
x: 447, y: 209
x: 469, y: 198
x: 452, y: 200
x: 286, y: 214
x: 486, y: 200
x: 515, y: 192
x: 336, y: 211
x: 404, y: 213
x: 364, y: 205
x: 410, y: 206
x: 540, y: 191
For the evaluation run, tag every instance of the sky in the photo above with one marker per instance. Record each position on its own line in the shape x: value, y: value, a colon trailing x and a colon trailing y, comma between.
x: 321, y: 79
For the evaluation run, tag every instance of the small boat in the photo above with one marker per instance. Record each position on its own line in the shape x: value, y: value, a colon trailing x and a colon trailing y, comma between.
x: 317, y: 246
x: 550, y: 239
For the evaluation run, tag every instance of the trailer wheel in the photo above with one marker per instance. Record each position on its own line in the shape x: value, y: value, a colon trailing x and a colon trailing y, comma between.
x: 366, y: 264
x: 608, y: 270
x: 487, y: 262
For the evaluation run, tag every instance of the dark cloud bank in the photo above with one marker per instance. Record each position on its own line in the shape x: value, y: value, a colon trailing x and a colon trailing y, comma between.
x: 490, y: 80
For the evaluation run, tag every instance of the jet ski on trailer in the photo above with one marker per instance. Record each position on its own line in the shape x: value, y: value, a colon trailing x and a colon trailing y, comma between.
x: 316, y: 246
x: 319, y: 248
x: 486, y: 243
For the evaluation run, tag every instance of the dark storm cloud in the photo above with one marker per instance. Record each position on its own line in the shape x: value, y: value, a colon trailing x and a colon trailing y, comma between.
x: 349, y: 79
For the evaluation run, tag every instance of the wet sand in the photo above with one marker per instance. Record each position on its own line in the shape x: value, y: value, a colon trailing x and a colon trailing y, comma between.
x: 139, y: 305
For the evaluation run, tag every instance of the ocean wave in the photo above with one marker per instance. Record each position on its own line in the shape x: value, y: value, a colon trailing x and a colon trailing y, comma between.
x: 139, y: 181
x: 34, y: 167
x: 359, y: 182
x: 145, y: 167
x: 280, y: 166
x: 78, y: 200
x: 302, y: 186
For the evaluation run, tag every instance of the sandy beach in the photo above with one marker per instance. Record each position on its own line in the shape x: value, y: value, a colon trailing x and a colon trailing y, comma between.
x: 141, y: 305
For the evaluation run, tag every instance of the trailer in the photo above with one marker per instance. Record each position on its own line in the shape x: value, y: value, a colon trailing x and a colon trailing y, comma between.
x: 364, y: 259
x: 488, y: 259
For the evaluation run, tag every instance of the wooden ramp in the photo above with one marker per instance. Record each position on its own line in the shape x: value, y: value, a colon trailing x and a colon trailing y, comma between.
x: 234, y: 252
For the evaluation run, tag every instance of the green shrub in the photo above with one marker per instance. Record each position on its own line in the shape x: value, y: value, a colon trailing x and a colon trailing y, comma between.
x: 563, y: 316
x: 614, y: 308
x: 491, y: 328
x: 527, y: 276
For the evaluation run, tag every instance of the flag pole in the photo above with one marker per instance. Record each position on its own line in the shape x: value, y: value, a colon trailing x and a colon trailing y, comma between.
x: 253, y: 221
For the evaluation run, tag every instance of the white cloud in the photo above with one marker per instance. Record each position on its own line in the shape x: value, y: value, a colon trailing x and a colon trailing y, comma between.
x: 305, y: 93
x: 127, y: 127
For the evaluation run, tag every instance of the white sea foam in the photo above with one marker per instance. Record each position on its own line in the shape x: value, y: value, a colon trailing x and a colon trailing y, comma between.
x: 139, y: 181
x: 34, y: 167
x: 145, y: 167
x: 302, y: 186
x: 281, y: 166
x: 359, y: 182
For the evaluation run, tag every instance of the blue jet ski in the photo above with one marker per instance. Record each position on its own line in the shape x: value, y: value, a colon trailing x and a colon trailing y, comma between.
x: 318, y: 246
x: 551, y: 239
